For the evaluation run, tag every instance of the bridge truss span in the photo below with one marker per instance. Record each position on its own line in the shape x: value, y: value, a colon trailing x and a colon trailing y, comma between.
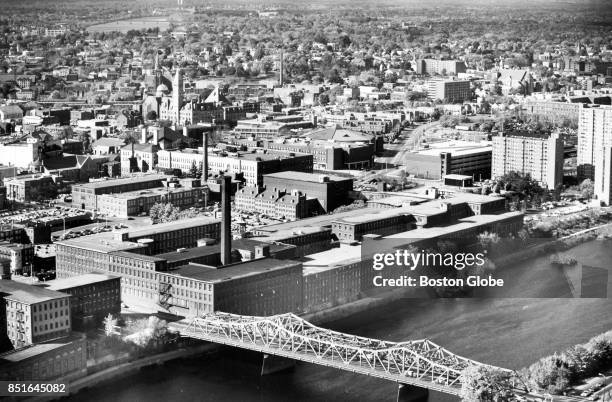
x: 420, y: 363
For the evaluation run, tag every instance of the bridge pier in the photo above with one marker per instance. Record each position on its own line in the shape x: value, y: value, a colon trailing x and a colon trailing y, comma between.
x: 410, y: 393
x: 273, y: 364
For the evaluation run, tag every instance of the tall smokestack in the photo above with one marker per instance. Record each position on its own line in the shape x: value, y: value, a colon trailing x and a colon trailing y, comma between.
x: 226, y: 220
x: 281, y: 78
x: 205, y: 158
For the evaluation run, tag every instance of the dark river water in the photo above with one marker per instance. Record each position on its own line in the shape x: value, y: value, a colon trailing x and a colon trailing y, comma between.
x: 534, y: 315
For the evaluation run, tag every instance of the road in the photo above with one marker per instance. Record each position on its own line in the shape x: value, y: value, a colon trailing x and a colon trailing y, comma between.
x: 409, y: 138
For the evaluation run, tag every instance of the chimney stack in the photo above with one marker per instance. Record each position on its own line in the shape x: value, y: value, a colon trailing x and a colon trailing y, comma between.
x: 226, y: 220
x: 281, y: 78
x: 205, y: 158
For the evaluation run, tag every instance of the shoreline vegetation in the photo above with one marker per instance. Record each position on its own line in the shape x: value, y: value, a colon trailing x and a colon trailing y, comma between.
x: 553, y: 235
x: 558, y: 372
x: 554, y: 374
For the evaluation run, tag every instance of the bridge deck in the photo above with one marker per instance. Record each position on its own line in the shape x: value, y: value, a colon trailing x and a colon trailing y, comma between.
x: 419, y: 363
x: 354, y: 367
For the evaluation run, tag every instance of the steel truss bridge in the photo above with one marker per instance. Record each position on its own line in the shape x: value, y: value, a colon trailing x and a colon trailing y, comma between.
x: 419, y: 363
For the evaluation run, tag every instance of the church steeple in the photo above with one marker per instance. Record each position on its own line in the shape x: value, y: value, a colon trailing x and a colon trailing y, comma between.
x: 157, y: 70
x: 177, y: 94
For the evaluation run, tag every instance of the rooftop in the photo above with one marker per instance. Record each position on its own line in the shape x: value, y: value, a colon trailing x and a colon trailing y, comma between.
x: 461, y: 224
x: 101, y: 242
x: 455, y: 147
x: 118, y: 182
x: 171, y: 226
x: 432, y: 207
x: 37, y: 349
x: 76, y: 281
x: 301, y: 176
x: 458, y: 177
x: 330, y: 259
x: 237, y: 244
x: 308, y: 225
x: 151, y: 192
x: 28, y: 294
x: 239, y: 270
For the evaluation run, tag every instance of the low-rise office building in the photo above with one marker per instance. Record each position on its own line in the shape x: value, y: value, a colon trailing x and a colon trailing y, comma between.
x: 85, y: 195
x: 436, y: 66
x: 449, y: 90
x: 94, y: 296
x: 134, y: 203
x: 20, y: 255
x: 451, y: 157
x: 64, y: 358
x: 28, y: 188
x: 34, y: 314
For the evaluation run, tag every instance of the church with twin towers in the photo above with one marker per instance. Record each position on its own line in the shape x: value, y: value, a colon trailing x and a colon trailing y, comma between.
x: 182, y: 109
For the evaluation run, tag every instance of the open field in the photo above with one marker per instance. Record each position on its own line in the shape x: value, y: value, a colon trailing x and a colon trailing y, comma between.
x: 135, y: 23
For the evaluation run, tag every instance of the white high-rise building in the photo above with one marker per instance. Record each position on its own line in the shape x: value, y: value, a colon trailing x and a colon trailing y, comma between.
x: 603, y: 175
x: 539, y: 156
x: 594, y: 134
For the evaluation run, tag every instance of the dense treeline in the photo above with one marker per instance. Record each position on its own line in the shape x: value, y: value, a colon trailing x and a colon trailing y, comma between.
x: 556, y: 373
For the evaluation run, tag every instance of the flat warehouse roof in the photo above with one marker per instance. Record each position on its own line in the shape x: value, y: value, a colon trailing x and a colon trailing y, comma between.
x: 117, y: 182
x: 240, y: 270
x: 171, y: 226
x: 28, y: 294
x: 37, y: 349
x: 75, y: 281
x: 301, y: 176
x: 101, y: 242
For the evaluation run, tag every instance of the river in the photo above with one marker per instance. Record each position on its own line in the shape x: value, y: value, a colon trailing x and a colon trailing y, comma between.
x: 533, y: 316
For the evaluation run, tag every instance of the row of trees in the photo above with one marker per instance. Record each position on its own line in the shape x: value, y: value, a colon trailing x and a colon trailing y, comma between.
x: 556, y: 373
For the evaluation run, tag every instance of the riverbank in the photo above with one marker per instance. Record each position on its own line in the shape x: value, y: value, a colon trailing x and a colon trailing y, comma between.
x: 561, y: 372
x: 560, y: 244
x: 130, y: 368
x: 319, y: 318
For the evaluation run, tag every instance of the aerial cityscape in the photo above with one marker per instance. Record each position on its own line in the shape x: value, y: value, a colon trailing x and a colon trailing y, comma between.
x: 389, y: 200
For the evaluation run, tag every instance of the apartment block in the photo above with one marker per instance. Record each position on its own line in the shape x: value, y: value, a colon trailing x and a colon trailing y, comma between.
x: 540, y: 156
x: 449, y: 90
x: 442, y: 67
x: 594, y: 134
x: 603, y: 176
